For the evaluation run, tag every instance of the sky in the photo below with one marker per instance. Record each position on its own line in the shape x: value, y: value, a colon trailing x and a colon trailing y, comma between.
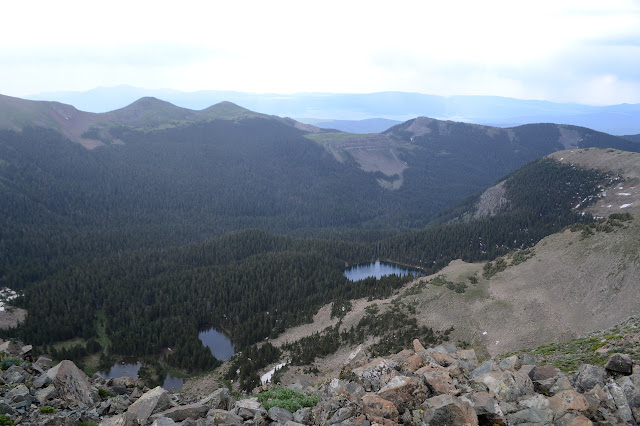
x: 563, y: 51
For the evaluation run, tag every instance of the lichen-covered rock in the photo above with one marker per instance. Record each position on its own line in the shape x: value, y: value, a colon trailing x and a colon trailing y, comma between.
x: 588, y: 376
x: 223, y: 417
x: 620, y: 363
x: 510, y: 363
x: 440, y: 382
x: 568, y: 400
x: 376, y: 373
x: 506, y: 385
x: 404, y: 392
x: 446, y: 410
x: 375, y: 406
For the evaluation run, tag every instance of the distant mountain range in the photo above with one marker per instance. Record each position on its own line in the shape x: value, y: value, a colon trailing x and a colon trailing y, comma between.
x: 312, y: 108
x: 275, y: 173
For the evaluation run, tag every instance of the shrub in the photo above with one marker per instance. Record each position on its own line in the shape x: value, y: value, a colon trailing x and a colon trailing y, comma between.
x: 290, y: 400
x: 47, y: 409
x: 104, y: 393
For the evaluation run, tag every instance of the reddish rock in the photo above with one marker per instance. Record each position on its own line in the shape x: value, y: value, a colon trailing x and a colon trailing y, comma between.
x: 414, y: 362
x: 568, y: 400
x: 444, y: 360
x: 404, y: 392
x: 543, y: 372
x: 375, y: 406
x: 440, y: 382
x: 447, y: 410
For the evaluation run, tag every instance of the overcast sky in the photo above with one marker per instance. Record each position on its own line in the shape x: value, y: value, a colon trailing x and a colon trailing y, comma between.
x: 569, y: 51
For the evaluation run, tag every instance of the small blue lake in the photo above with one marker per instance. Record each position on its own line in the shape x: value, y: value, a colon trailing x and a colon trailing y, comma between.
x: 130, y: 368
x: 378, y: 269
x: 220, y: 345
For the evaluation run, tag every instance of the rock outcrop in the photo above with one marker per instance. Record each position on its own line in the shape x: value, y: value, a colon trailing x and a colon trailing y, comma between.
x: 421, y: 386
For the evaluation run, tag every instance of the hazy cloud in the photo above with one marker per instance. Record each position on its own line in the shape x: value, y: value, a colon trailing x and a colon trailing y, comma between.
x: 561, y: 51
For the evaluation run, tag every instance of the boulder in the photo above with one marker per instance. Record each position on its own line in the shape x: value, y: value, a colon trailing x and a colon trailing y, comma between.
x: 486, y: 408
x: 163, y: 421
x: 618, y: 402
x: 357, y: 358
x: 506, y: 385
x: 19, y: 396
x: 182, y: 412
x: 350, y: 390
x: 413, y: 363
x: 588, y: 376
x: 568, y: 400
x: 44, y: 362
x: 376, y: 374
x: 342, y: 414
x: 531, y: 416
x: 279, y: 415
x: 446, y: 410
x: 404, y: 392
x: 375, y: 406
x: 151, y: 402
x: 466, y: 359
x: 620, y: 363
x: 249, y: 409
x: 543, y: 372
x: 45, y: 394
x: 14, y: 374
x: 303, y: 415
x: 537, y: 401
x: 41, y: 381
x: 220, y: 398
x: 72, y: 384
x: 440, y: 382
x: 484, y: 368
x: 222, y: 417
x: 510, y: 363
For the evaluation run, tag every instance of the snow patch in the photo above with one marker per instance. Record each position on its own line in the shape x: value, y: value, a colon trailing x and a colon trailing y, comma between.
x: 266, y: 377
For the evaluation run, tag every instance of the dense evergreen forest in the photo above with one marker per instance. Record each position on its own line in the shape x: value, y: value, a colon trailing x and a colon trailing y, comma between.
x: 243, y: 225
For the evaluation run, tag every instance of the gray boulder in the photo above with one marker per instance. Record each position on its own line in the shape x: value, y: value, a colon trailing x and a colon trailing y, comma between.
x: 151, y: 402
x: 249, y: 409
x: 620, y: 363
x: 279, y: 415
x: 182, y: 412
x: 15, y: 374
x: 223, y: 417
x: 588, y: 376
x: 446, y: 410
x: 220, y: 399
x: 72, y: 384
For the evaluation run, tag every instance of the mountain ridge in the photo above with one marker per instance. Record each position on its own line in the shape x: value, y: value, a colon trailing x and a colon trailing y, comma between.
x: 489, y: 110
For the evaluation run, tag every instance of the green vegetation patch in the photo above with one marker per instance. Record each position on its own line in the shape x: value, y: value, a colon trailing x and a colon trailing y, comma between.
x: 290, y: 400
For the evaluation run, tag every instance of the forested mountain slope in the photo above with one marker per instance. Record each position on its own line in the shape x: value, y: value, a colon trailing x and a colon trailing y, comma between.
x: 134, y: 230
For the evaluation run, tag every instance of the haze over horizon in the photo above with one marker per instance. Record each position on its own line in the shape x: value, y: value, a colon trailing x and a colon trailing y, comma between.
x: 581, y: 52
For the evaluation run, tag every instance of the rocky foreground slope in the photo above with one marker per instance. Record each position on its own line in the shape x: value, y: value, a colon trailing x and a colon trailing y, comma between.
x: 443, y: 385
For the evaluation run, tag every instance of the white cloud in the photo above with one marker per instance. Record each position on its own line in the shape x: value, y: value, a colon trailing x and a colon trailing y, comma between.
x: 542, y: 50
